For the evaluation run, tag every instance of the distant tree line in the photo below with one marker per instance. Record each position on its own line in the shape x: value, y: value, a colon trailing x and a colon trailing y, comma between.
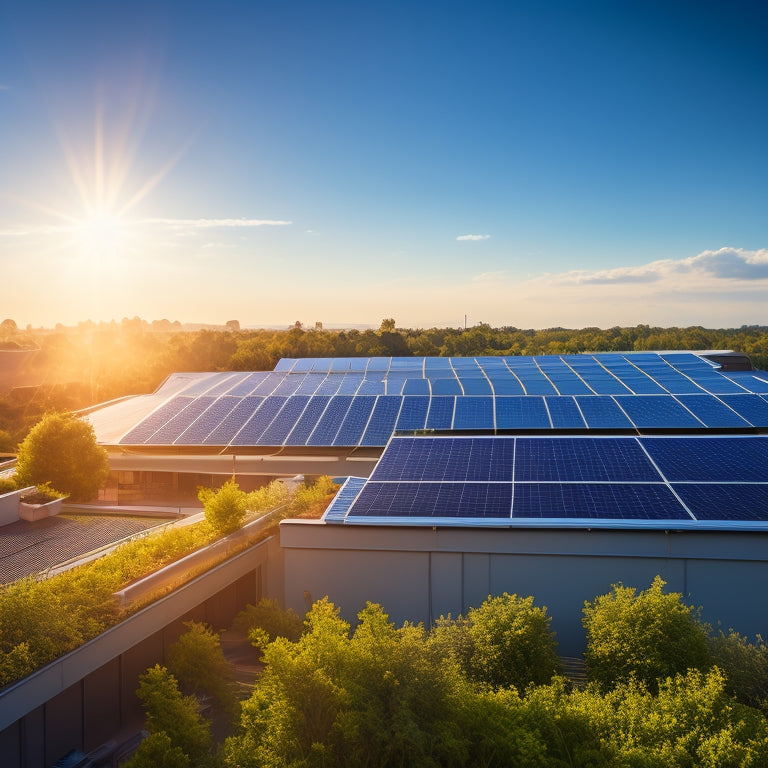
x: 94, y: 363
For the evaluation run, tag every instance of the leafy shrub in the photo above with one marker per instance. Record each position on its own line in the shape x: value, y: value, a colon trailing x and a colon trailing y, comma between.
x: 648, y: 636
x: 7, y: 485
x: 505, y: 642
x: 745, y: 666
x: 271, y: 619
x: 225, y: 509
x: 62, y: 450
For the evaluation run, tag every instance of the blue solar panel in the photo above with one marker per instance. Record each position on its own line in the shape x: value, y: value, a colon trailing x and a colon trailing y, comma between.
x: 598, y: 379
x: 288, y: 385
x: 505, y: 383
x: 354, y: 423
x: 475, y: 385
x: 673, y: 381
x: 146, y: 428
x: 473, y: 413
x: 394, y: 385
x: 383, y: 420
x: 303, y: 365
x: 563, y: 378
x: 564, y: 413
x: 413, y: 414
x: 441, y: 413
x: 446, y: 459
x: 726, y: 502
x: 328, y: 426
x: 308, y: 420
x: 350, y: 384
x: 234, y: 422
x: 602, y: 412
x: 371, y: 386
x: 252, y: 431
x: 341, y: 502
x: 166, y: 434
x: 597, y: 501
x: 208, y: 421
x: 330, y: 385
x: 535, y: 382
x: 583, y: 459
x: 225, y: 384
x: 657, y: 411
x: 310, y: 383
x: 247, y: 385
x: 521, y: 413
x: 711, y: 411
x: 751, y: 407
x: 285, y: 364
x: 750, y: 381
x: 713, y: 459
x: 269, y: 384
x: 640, y: 383
x: 283, y: 423
x: 416, y: 387
x: 445, y: 387
x: 433, y: 500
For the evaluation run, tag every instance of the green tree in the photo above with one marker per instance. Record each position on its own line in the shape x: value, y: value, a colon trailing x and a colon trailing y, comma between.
x: 62, y: 450
x: 197, y: 661
x: 745, y: 666
x: 157, y: 751
x: 648, y: 636
x: 225, y: 509
x: 168, y: 711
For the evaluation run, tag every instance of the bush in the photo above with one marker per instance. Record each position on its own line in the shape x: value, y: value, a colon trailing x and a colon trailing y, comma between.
x: 505, y: 642
x: 648, y: 636
x: 62, y: 450
x: 745, y: 666
x: 271, y: 619
x: 225, y: 509
x: 7, y: 485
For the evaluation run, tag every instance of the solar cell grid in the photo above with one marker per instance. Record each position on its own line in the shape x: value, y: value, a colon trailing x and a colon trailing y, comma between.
x: 146, y: 428
x: 416, y: 387
x: 413, y: 414
x: 350, y: 383
x: 208, y: 421
x: 602, y: 412
x: 475, y: 385
x: 599, y: 502
x: 535, y: 382
x: 247, y: 385
x: 268, y: 384
x: 261, y: 419
x: 341, y: 502
x: 330, y: 385
x: 474, y: 413
x: 582, y: 459
x: 307, y: 421
x: 710, y: 459
x: 564, y: 413
x: 657, y: 411
x: 371, y: 386
x: 753, y: 408
x: 440, y: 414
x: 446, y: 387
x: 352, y: 427
x: 224, y: 384
x: 288, y: 386
x: 726, y: 502
x: 521, y: 413
x: 382, y: 422
x: 283, y: 422
x: 711, y: 411
x: 330, y: 422
x: 433, y: 500
x: 234, y: 421
x: 505, y: 384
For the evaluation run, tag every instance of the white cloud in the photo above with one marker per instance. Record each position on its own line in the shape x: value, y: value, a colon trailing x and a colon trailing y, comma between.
x: 473, y: 237
x: 223, y: 223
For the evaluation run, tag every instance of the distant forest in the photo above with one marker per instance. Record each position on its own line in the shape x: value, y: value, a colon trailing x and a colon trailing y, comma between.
x: 73, y: 368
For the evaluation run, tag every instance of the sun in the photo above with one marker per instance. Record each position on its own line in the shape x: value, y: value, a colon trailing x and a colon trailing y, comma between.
x: 102, y: 236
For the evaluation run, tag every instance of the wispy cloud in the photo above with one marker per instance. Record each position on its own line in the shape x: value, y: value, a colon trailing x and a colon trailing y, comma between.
x: 473, y: 237
x: 4, y: 87
x: 221, y: 223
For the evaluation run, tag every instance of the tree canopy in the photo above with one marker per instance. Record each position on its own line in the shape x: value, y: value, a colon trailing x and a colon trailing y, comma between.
x: 62, y: 450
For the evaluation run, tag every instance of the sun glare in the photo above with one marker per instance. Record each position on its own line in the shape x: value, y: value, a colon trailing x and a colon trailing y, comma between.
x: 102, y: 237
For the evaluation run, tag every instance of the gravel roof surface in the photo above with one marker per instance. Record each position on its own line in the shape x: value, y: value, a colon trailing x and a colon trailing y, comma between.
x: 32, y: 547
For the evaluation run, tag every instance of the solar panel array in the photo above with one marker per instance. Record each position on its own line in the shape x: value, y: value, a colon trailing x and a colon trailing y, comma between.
x: 350, y: 402
x: 670, y: 481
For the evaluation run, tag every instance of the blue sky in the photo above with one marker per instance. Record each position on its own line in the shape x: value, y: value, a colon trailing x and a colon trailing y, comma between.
x: 524, y: 163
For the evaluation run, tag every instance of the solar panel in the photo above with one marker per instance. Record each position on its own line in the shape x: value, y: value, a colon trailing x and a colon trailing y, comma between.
x: 283, y: 422
x: 564, y: 413
x: 582, y: 459
x: 596, y: 501
x: 268, y: 385
x: 750, y: 407
x: 247, y: 385
x: 371, y: 386
x: 413, y: 414
x: 711, y: 411
x: 657, y: 411
x: 353, y: 426
x: 416, y: 387
x: 146, y: 428
x: 521, y: 413
x: 710, y: 459
x: 445, y: 387
x: 726, y: 502
x: 475, y: 385
x: 505, y: 383
x: 339, y: 507
x: 208, y: 421
x: 480, y: 500
x: 473, y: 413
x: 382, y: 422
x: 234, y: 421
x: 307, y: 421
x: 446, y: 459
x: 441, y: 413
x: 330, y: 385
x: 261, y: 419
x: 350, y: 383
x: 171, y: 430
x: 328, y: 426
x: 602, y: 412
